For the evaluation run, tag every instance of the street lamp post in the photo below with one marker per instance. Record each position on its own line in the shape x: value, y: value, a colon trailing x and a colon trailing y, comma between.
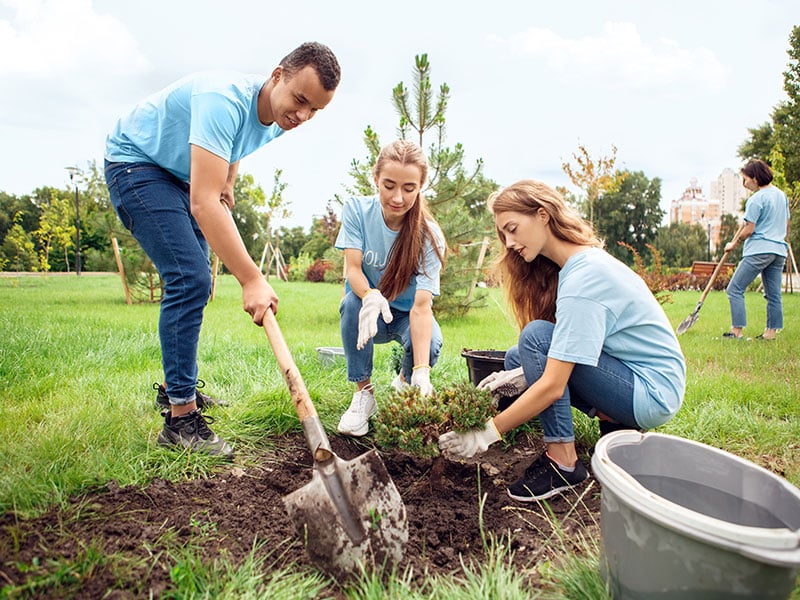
x: 73, y: 177
x: 708, y: 234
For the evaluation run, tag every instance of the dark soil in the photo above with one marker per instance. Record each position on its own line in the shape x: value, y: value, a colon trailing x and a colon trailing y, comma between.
x: 225, y: 514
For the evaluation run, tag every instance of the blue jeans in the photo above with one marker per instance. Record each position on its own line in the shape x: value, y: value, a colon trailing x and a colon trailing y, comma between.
x: 359, y: 362
x: 770, y: 266
x: 154, y: 206
x: 606, y: 388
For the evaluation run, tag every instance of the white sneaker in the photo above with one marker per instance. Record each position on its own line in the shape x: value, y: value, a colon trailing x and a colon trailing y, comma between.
x: 398, y: 383
x: 355, y: 420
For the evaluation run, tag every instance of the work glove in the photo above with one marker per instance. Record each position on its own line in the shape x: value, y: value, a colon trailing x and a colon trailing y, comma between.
x: 372, y: 305
x: 467, y: 445
x: 421, y: 378
x: 504, y: 383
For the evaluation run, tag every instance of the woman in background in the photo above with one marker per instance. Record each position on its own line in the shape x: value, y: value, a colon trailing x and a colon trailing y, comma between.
x: 766, y: 223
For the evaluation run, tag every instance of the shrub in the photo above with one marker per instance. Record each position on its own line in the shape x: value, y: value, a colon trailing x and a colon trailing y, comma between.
x: 298, y: 266
x: 316, y: 271
x: 413, y: 423
x: 335, y: 258
x: 685, y: 280
x: 657, y: 281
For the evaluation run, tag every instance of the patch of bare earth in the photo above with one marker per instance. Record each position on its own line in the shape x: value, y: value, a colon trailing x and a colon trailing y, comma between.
x: 224, y: 515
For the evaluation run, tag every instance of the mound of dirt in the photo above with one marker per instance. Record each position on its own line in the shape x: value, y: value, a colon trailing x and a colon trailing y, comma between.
x: 225, y: 514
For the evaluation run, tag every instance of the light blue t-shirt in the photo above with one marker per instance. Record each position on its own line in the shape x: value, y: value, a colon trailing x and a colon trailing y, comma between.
x: 768, y: 208
x: 364, y: 229
x: 215, y: 110
x: 604, y: 306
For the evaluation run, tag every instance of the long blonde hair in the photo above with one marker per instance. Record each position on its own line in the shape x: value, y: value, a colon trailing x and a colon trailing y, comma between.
x: 531, y: 287
x: 408, y: 249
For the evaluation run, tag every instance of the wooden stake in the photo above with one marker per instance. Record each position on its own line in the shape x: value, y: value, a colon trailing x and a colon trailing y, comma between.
x: 481, y: 258
x: 121, y: 270
x: 214, y: 270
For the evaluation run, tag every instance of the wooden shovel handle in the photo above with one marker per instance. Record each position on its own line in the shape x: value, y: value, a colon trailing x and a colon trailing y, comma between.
x: 297, y: 388
x: 717, y: 269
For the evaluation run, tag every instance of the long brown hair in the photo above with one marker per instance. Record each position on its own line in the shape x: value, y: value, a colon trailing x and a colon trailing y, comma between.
x: 408, y: 250
x: 531, y: 287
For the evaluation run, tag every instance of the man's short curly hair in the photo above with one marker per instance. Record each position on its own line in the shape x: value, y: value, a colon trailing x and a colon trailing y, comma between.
x: 318, y: 56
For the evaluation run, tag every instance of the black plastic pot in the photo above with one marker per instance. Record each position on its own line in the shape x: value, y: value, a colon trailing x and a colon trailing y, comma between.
x: 481, y: 364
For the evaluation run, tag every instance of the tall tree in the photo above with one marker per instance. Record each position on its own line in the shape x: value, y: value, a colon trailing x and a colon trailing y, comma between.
x: 729, y: 225
x: 595, y: 176
x: 56, y: 228
x: 249, y: 213
x: 292, y: 241
x: 19, y: 252
x: 680, y: 244
x: 786, y: 117
x: 631, y: 213
x: 759, y: 144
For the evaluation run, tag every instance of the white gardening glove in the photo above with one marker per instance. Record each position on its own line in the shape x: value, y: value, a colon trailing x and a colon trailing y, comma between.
x: 504, y: 383
x: 421, y: 378
x: 467, y: 445
x: 372, y: 305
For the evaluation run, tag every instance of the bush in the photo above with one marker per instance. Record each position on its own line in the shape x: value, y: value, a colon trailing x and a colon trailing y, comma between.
x: 316, y: 271
x: 335, y: 258
x: 657, y: 281
x: 298, y: 266
x: 684, y: 280
x: 413, y: 423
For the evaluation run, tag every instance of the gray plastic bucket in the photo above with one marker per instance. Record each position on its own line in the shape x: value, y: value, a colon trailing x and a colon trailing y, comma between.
x: 683, y: 520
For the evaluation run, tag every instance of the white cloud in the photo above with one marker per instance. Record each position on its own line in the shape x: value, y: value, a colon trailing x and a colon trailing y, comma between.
x: 619, y: 56
x: 57, y: 38
x: 65, y: 58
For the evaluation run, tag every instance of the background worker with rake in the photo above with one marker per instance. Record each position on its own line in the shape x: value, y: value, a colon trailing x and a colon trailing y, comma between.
x: 766, y: 223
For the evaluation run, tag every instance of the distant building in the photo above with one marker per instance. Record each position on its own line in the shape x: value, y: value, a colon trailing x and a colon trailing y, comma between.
x: 728, y: 189
x: 693, y: 207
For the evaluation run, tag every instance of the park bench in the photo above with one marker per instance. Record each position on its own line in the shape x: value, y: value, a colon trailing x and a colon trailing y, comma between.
x: 702, y: 268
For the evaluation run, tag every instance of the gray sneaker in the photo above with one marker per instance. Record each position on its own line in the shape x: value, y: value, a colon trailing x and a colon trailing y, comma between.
x: 192, y: 431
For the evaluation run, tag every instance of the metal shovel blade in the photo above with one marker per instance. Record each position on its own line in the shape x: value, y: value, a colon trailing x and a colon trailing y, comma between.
x: 368, y: 526
x: 690, y: 320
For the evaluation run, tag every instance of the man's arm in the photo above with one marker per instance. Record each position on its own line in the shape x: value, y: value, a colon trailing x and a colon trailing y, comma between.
x: 227, y: 194
x: 210, y: 176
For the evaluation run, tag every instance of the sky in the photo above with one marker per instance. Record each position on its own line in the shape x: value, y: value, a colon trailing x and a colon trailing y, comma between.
x: 673, y: 85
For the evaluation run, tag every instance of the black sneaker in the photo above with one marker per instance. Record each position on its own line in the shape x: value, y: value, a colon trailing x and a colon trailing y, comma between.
x: 607, y: 427
x: 203, y: 400
x: 192, y: 431
x: 544, y: 479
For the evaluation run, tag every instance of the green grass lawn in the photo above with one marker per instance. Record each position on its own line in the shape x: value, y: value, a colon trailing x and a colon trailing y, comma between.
x: 77, y: 366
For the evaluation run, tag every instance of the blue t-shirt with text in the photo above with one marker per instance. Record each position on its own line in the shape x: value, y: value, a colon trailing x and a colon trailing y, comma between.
x: 364, y: 229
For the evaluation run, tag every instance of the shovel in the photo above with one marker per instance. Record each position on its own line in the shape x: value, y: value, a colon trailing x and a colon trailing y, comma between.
x: 351, y: 513
x: 692, y: 318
